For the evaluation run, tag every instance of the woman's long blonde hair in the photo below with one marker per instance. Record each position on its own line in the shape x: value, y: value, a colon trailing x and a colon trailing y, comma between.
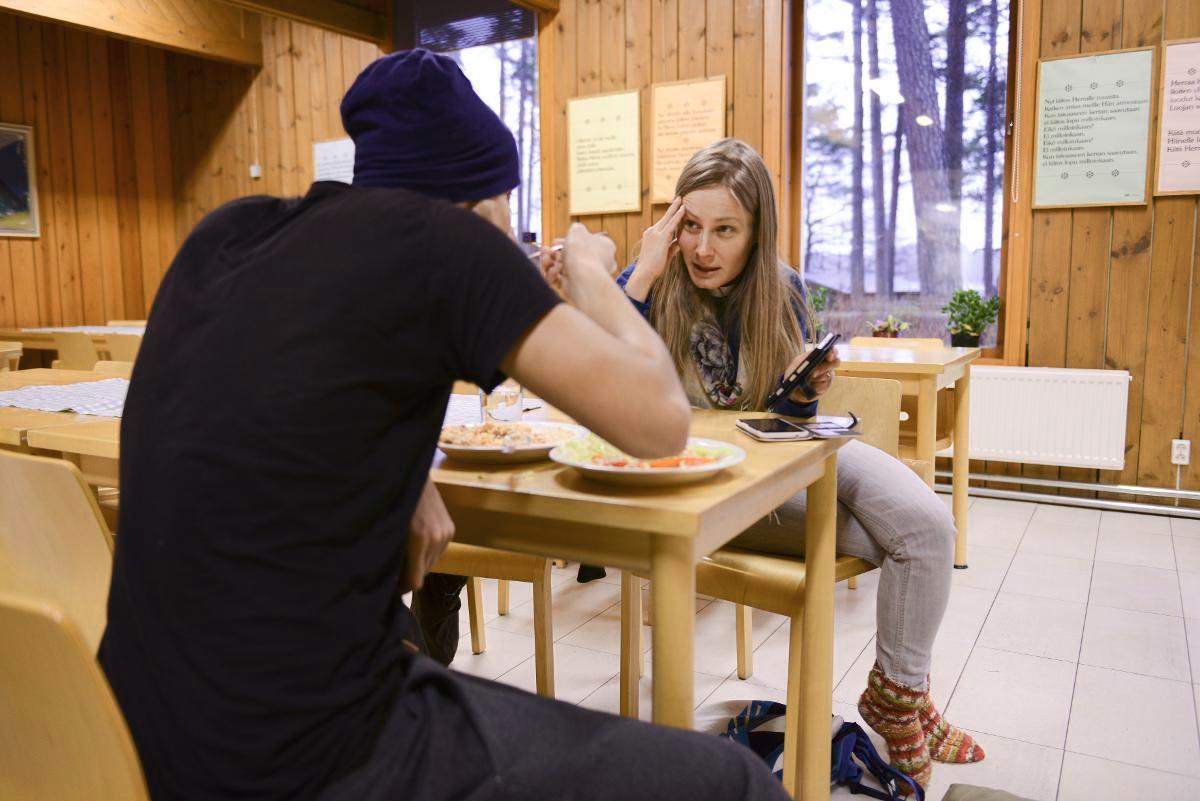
x: 769, y: 310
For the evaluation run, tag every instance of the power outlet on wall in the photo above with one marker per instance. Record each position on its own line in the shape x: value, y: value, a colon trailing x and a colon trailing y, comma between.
x: 1181, y: 451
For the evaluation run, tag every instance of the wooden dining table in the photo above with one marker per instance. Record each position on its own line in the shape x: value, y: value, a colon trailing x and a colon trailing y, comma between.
x: 922, y: 374
x: 546, y: 509
x: 42, y: 339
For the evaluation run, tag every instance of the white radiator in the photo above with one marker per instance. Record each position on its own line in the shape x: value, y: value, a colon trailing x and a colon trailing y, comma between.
x: 1049, y: 415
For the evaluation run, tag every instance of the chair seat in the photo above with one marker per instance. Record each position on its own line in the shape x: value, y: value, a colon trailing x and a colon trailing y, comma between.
x: 460, y: 559
x: 765, y: 581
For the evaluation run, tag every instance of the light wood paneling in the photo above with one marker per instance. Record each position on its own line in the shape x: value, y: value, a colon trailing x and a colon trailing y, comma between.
x: 1117, y: 288
x: 231, y: 117
x: 134, y: 144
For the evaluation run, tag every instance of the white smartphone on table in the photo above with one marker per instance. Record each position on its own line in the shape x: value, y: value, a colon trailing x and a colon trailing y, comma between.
x: 772, y: 429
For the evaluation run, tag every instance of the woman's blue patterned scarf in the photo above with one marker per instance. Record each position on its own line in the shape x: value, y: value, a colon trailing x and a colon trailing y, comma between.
x: 716, y: 363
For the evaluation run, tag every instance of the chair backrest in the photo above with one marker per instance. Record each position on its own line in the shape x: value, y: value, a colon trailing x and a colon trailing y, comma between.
x: 875, y: 400
x: 63, y: 734
x: 75, y: 350
x: 123, y: 347
x: 121, y: 369
x: 912, y: 343
x: 126, y: 322
x: 10, y: 355
x: 54, y: 544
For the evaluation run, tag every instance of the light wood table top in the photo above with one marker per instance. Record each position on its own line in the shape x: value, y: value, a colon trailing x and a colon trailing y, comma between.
x: 908, y: 360
x: 43, y: 376
x: 86, y: 435
x: 705, y: 511
x: 43, y: 339
x: 15, y: 424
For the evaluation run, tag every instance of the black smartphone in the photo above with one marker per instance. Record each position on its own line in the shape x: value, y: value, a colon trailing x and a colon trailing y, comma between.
x: 800, y: 375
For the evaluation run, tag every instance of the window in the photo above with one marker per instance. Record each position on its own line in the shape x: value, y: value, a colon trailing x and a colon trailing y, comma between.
x: 903, y: 157
x: 498, y: 53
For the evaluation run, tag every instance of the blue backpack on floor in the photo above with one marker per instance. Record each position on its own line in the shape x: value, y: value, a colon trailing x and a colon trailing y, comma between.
x: 749, y: 728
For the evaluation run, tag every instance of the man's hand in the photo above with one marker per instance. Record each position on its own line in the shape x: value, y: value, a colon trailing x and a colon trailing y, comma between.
x: 429, y: 533
x: 584, y: 259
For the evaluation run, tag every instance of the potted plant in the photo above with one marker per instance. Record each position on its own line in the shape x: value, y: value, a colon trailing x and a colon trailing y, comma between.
x: 969, y: 316
x: 891, y: 327
x: 818, y: 301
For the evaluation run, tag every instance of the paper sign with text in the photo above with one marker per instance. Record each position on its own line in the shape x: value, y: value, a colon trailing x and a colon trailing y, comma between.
x: 1179, y: 123
x: 1093, y: 129
x: 688, y: 115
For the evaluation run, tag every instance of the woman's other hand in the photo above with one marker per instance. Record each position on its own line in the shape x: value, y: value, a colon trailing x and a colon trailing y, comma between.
x: 660, y: 243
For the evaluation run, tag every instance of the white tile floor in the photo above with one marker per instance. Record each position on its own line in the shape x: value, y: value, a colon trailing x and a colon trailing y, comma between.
x: 1071, y: 649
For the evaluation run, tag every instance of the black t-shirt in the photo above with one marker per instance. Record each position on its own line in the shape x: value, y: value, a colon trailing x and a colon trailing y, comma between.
x: 280, y: 424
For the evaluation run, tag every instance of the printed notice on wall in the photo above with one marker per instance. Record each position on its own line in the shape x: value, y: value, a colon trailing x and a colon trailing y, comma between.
x: 1179, y: 124
x: 688, y: 115
x: 1093, y: 136
x: 604, y: 153
x: 334, y: 161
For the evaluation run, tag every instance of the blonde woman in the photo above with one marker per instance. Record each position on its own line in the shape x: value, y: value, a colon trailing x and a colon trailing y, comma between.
x: 735, y: 320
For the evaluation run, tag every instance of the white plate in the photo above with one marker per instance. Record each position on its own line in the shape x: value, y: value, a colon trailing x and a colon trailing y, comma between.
x: 497, y: 454
x: 657, y: 476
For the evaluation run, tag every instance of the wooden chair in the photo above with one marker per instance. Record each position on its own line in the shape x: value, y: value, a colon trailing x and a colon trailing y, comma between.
x: 117, y: 369
x: 54, y: 541
x: 63, y: 734
x: 771, y: 582
x: 913, y: 343
x: 13, y: 351
x: 127, y: 323
x: 123, y: 347
x: 75, y: 351
x: 475, y: 562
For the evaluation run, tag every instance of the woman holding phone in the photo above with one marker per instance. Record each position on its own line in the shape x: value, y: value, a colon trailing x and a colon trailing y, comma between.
x: 735, y: 320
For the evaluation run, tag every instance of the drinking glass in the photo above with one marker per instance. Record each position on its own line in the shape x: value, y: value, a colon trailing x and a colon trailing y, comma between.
x: 505, y: 404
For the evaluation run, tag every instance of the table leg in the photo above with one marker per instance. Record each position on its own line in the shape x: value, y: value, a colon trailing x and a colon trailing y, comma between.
x: 812, y: 643
x: 962, y: 464
x: 927, y: 421
x: 631, y: 642
x: 673, y: 576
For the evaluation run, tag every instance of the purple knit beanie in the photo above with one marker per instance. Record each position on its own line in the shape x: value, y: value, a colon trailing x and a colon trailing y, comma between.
x: 417, y: 124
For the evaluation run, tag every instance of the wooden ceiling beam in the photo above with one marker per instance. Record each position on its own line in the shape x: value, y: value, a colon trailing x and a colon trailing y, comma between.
x: 349, y: 20
x: 550, y: 6
x: 242, y: 45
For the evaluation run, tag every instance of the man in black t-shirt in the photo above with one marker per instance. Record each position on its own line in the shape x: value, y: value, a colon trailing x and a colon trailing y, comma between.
x: 276, y: 445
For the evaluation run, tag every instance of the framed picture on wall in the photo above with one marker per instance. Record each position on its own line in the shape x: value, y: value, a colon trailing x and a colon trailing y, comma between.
x: 18, y: 182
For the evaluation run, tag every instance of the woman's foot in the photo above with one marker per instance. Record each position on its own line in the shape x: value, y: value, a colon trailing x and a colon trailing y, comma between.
x: 589, y: 573
x: 946, y: 743
x: 891, y: 709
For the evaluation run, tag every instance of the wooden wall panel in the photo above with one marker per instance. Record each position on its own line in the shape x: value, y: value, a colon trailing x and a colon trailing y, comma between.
x: 1117, y: 288
x: 230, y: 117
x: 134, y: 144
x: 664, y: 40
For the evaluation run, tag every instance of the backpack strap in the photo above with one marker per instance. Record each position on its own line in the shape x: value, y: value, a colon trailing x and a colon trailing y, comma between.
x: 888, y: 777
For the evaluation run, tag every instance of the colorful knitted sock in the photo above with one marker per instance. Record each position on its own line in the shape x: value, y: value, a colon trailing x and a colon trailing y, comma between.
x: 891, y: 710
x: 946, y: 743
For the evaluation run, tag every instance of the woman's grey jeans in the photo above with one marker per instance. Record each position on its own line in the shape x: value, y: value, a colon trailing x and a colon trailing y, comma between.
x: 890, y: 517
